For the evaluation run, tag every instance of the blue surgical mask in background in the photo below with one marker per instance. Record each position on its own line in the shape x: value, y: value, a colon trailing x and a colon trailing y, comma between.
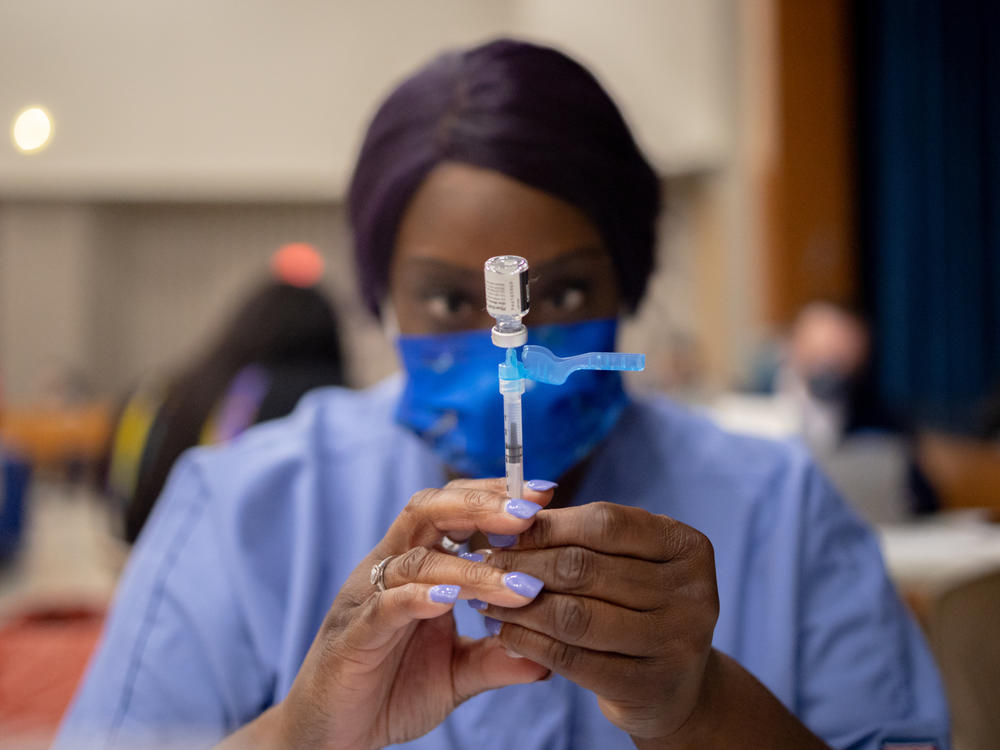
x: 451, y: 400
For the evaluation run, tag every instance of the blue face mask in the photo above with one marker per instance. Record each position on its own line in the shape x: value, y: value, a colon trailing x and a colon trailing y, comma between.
x: 451, y: 400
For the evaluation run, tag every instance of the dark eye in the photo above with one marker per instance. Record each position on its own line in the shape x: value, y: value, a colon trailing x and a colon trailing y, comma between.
x: 446, y: 306
x: 568, y: 299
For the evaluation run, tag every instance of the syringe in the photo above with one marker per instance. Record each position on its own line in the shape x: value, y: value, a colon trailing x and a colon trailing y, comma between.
x: 513, y: 435
x: 507, y: 301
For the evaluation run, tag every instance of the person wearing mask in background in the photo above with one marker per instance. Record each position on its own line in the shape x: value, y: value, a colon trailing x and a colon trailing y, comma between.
x: 281, y: 343
x: 720, y: 596
x: 822, y: 373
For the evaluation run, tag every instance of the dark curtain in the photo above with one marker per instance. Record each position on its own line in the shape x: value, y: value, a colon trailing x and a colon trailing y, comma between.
x: 928, y: 75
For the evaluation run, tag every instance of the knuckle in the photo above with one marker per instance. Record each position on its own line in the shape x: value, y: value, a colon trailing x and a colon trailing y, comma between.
x: 572, y: 618
x: 703, y: 547
x: 479, y: 575
x: 607, y: 518
x: 496, y: 484
x: 477, y: 499
x: 539, y: 534
x: 671, y: 536
x: 561, y: 655
x: 498, y: 558
x: 421, y: 499
x: 411, y: 564
x: 574, y: 569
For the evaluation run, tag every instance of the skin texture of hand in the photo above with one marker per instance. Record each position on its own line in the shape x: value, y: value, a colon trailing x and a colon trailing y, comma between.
x: 628, y: 612
x: 387, y: 667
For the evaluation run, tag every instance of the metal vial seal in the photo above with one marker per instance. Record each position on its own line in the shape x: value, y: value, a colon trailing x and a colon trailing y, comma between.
x: 507, y: 298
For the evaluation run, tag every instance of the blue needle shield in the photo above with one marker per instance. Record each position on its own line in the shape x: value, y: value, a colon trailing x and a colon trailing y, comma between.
x: 539, y: 364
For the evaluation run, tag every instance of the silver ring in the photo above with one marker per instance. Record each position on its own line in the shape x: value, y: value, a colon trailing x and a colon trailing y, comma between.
x: 378, y: 573
x: 450, y: 545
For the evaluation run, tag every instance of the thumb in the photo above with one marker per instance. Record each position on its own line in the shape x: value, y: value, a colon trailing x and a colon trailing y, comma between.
x: 484, y: 664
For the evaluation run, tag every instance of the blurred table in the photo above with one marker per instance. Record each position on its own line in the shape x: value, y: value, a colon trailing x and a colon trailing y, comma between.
x: 927, y: 557
x: 50, y: 438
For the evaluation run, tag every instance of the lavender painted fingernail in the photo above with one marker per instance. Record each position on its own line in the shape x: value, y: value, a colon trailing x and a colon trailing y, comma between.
x: 492, y: 626
x: 540, y: 485
x: 522, y: 509
x: 501, y: 540
x: 471, y: 556
x: 478, y: 604
x: 444, y: 594
x: 523, y: 584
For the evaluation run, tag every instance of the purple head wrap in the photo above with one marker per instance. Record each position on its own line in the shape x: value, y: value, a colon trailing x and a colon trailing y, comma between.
x: 526, y: 111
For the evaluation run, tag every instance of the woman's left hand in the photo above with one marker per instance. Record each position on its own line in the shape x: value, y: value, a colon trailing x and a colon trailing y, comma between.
x: 628, y: 610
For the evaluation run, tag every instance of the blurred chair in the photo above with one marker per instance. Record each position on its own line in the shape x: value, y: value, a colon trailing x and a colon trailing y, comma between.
x: 55, y: 439
x: 965, y: 472
x: 871, y: 472
x: 964, y: 634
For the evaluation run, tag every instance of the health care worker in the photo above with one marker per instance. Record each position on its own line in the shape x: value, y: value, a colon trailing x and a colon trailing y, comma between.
x: 719, y: 595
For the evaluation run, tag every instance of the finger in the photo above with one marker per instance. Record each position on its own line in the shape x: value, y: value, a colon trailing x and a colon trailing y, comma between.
x: 604, y: 673
x: 538, y: 491
x: 612, y: 529
x: 626, y: 581
x: 432, y: 513
x: 484, y: 664
x: 386, y: 613
x: 478, y: 581
x: 590, y: 623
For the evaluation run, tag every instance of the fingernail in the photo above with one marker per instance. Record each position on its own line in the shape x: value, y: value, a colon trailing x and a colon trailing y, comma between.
x: 513, y: 654
x: 444, y: 594
x: 472, y: 556
x: 523, y: 584
x: 492, y: 626
x: 478, y: 604
x: 521, y: 508
x: 540, y: 485
x: 501, y: 540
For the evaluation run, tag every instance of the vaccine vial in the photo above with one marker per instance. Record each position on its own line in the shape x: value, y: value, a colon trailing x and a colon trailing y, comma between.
x: 507, y: 298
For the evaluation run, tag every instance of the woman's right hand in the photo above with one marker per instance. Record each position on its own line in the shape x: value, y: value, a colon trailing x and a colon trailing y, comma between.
x: 387, y: 667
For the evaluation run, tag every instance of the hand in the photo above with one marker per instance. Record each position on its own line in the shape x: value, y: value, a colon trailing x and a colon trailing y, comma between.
x: 387, y: 667
x: 628, y: 611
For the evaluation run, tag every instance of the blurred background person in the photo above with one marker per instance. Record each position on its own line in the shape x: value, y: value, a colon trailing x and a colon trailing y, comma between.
x: 818, y: 385
x: 825, y: 361
x: 281, y: 343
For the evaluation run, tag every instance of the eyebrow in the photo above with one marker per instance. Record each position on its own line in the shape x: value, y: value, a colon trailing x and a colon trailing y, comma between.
x: 578, y: 253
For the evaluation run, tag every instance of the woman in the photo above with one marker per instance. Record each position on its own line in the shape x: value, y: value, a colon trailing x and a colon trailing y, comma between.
x: 281, y: 342
x: 615, y: 621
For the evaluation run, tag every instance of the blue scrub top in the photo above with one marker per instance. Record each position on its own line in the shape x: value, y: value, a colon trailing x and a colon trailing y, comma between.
x: 250, y: 542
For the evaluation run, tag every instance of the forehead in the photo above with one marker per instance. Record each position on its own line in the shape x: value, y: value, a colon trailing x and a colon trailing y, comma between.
x: 461, y: 215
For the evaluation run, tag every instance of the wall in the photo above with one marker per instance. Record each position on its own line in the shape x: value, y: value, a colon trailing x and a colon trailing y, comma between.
x: 251, y: 99
x: 192, y: 140
x: 121, y: 291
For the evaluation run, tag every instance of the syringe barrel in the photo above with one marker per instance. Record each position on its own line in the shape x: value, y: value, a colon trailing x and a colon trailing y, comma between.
x: 513, y: 437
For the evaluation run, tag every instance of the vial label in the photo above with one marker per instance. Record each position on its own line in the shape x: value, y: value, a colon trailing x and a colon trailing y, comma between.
x: 506, y: 296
